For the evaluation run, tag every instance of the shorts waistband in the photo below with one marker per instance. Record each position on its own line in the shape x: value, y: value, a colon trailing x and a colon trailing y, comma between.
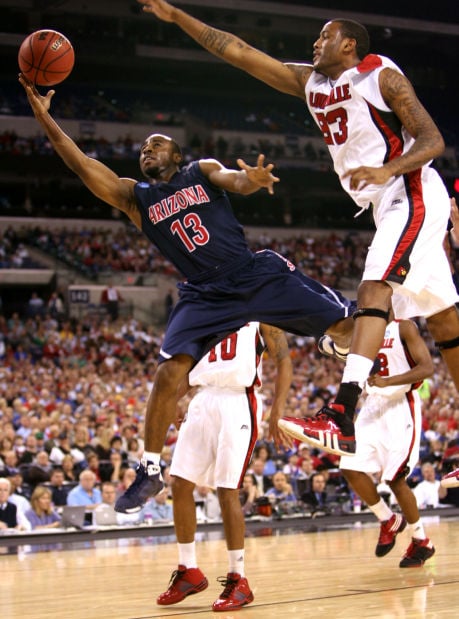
x: 222, y: 269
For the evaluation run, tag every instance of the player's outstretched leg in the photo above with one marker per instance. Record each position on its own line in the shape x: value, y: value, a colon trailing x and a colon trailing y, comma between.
x: 147, y: 483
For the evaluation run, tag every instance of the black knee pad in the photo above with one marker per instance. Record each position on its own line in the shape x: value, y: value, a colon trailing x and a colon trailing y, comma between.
x: 448, y: 344
x: 371, y: 311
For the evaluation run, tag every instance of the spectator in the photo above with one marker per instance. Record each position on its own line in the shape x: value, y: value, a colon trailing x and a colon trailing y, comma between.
x: 59, y: 487
x: 69, y: 468
x: 158, y: 509
x: 111, y: 298
x: 41, y: 514
x: 207, y: 504
x: 63, y: 448
x: 35, y: 306
x: 263, y: 482
x: 281, y: 491
x: 249, y: 494
x: 316, y: 497
x: 86, y: 492
x: 39, y: 471
x: 55, y: 306
x: 10, y: 516
x: 19, y: 493
x: 263, y: 452
x: 429, y: 491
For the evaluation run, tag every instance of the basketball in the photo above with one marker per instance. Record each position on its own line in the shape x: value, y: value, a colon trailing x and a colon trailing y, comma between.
x: 46, y: 57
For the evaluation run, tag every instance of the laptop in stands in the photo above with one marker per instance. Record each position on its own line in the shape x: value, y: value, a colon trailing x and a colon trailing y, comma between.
x: 104, y: 516
x: 73, y: 516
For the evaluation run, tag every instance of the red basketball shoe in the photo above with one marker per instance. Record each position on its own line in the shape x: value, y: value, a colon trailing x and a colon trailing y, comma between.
x: 387, y: 534
x: 184, y: 581
x: 451, y: 480
x: 330, y: 430
x: 417, y: 553
x: 235, y: 595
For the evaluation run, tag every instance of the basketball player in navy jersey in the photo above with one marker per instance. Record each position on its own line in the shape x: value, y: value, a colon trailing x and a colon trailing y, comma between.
x: 186, y: 213
x: 214, y: 448
x: 381, y: 140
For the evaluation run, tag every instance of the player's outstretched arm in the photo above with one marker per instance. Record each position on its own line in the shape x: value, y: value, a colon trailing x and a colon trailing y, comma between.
x: 290, y: 79
x: 99, y: 179
x: 245, y: 181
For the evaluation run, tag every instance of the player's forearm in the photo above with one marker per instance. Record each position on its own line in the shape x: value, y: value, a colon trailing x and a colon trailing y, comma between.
x: 217, y: 42
x: 414, y: 375
x: 64, y: 146
x: 425, y: 148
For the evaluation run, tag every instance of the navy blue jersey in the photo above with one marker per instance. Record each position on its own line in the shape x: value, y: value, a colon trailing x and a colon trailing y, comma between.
x: 191, y: 222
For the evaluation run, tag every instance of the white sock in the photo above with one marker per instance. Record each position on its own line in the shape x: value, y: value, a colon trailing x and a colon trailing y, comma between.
x: 236, y: 562
x: 187, y: 554
x: 357, y: 369
x: 381, y: 510
x: 417, y: 530
x: 151, y: 457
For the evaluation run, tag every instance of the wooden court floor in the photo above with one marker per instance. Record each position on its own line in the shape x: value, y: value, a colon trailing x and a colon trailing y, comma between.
x: 322, y: 575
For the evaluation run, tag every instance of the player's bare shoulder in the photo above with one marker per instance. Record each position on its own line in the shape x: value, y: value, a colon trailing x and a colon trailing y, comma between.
x: 301, y: 71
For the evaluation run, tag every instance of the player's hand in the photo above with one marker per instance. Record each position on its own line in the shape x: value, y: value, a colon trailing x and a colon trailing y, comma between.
x: 39, y: 104
x: 454, y: 216
x: 363, y: 176
x: 163, y: 10
x: 276, y: 434
x: 375, y: 380
x: 260, y: 174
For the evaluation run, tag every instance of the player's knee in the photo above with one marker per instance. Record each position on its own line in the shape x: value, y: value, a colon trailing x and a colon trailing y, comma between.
x: 448, y: 344
x: 374, y: 312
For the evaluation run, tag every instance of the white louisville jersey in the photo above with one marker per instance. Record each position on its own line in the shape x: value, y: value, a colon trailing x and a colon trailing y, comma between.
x: 234, y: 362
x: 357, y: 125
x: 394, y: 358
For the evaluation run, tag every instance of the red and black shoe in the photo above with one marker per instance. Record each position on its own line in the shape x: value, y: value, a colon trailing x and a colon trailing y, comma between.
x: 331, y: 430
x: 235, y: 595
x: 417, y: 553
x: 184, y: 581
x: 388, y: 532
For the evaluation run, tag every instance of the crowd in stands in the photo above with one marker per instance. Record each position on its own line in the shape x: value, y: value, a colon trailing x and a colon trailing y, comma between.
x: 327, y: 257
x: 72, y: 401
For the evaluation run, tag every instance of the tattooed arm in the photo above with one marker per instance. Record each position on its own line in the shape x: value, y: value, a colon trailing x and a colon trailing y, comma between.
x: 288, y: 78
x: 399, y: 95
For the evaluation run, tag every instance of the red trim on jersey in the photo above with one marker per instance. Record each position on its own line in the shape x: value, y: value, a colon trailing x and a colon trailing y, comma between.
x: 253, y: 408
x: 399, y: 265
x: 393, y: 141
x: 403, y: 468
x: 369, y: 63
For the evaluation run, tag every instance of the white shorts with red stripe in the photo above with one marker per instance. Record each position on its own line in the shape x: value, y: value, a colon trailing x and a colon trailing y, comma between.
x: 217, y: 438
x: 387, y: 434
x: 407, y: 248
